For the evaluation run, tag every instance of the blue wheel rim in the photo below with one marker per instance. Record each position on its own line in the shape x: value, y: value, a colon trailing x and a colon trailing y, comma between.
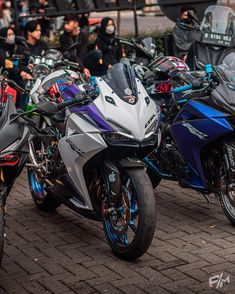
x: 125, y: 239
x: 36, y: 187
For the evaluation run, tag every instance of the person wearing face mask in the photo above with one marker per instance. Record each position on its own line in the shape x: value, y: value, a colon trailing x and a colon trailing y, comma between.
x: 107, y: 43
x: 183, y: 32
x: 70, y: 36
x: 7, y: 50
x: 17, y: 71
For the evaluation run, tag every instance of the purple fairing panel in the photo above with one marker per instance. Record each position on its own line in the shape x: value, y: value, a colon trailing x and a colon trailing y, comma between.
x: 93, y: 112
x: 70, y: 93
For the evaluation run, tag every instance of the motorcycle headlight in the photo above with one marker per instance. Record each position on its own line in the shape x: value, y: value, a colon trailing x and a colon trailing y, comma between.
x: 152, y: 128
x: 117, y: 139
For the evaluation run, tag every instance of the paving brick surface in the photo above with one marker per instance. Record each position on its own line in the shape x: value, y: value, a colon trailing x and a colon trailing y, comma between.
x: 65, y: 253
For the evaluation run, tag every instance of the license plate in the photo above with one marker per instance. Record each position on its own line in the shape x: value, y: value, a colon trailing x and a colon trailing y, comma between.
x: 217, y: 39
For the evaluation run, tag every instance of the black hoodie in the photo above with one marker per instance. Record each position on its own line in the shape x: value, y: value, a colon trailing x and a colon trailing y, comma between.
x: 6, y: 52
x: 109, y: 46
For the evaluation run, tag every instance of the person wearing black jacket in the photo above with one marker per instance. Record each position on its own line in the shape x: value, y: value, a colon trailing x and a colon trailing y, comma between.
x: 107, y: 43
x: 32, y: 32
x: 183, y: 32
x: 70, y: 36
x: 17, y: 71
x: 8, y: 48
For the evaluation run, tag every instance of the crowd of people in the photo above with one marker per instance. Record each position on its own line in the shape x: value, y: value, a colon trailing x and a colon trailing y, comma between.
x: 94, y: 58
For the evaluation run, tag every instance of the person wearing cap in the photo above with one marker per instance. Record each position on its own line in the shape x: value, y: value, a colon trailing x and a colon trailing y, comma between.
x: 183, y: 32
x: 70, y: 36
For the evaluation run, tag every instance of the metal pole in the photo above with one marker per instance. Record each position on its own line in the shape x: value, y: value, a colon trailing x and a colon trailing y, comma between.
x: 135, y: 18
x: 118, y: 22
x: 16, y: 17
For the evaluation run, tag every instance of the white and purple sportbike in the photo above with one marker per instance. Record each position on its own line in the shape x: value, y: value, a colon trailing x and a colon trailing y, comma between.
x: 89, y: 158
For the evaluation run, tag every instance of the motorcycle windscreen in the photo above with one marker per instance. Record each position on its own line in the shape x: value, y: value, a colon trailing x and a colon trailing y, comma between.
x: 218, y: 26
x: 218, y: 19
x: 121, y: 79
x: 227, y: 69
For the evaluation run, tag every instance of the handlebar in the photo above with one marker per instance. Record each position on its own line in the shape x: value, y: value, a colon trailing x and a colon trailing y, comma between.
x: 68, y: 62
x: 81, y: 98
x: 182, y: 89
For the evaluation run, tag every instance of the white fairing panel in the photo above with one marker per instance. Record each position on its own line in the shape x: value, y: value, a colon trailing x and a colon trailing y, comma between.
x: 81, y: 142
x: 134, y: 118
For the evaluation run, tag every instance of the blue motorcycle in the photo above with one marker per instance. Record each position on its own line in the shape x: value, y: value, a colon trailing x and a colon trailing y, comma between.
x: 198, y: 137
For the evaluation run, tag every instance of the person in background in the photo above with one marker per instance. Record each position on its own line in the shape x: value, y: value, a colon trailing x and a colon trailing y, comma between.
x: 23, y: 10
x: 32, y: 32
x: 7, y: 50
x: 108, y: 44
x: 5, y: 14
x: 45, y: 22
x: 17, y: 72
x: 70, y: 36
x: 84, y: 33
x: 183, y: 32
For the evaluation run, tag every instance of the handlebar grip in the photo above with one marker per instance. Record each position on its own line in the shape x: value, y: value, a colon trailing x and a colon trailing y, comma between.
x: 183, y: 88
x: 79, y: 98
x: 67, y: 103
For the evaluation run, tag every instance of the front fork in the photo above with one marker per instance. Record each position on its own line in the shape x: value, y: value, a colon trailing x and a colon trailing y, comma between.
x: 112, y: 182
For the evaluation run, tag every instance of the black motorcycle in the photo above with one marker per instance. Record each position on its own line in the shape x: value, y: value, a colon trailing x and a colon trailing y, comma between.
x: 14, y: 136
x: 215, y: 40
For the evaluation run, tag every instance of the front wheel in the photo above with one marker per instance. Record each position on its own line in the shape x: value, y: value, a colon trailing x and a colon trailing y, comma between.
x: 227, y: 201
x: 129, y: 228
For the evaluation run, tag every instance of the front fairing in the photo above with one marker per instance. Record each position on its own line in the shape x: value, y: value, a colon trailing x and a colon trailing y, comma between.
x: 224, y: 98
x: 132, y: 118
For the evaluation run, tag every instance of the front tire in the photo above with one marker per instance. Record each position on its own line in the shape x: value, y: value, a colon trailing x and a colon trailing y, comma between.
x: 228, y: 205
x: 137, y: 210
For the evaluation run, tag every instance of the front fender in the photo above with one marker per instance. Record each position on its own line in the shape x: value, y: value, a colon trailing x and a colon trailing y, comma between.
x: 130, y: 163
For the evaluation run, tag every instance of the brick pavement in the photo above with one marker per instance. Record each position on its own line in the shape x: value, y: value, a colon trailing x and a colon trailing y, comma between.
x: 65, y: 253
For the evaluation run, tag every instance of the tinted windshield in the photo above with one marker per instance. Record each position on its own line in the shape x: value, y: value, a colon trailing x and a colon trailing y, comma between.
x: 218, y: 19
x: 149, y: 44
x: 121, y: 79
x: 227, y: 69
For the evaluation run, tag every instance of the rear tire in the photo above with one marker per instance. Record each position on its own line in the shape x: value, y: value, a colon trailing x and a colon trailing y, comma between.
x: 142, y: 207
x: 42, y: 198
